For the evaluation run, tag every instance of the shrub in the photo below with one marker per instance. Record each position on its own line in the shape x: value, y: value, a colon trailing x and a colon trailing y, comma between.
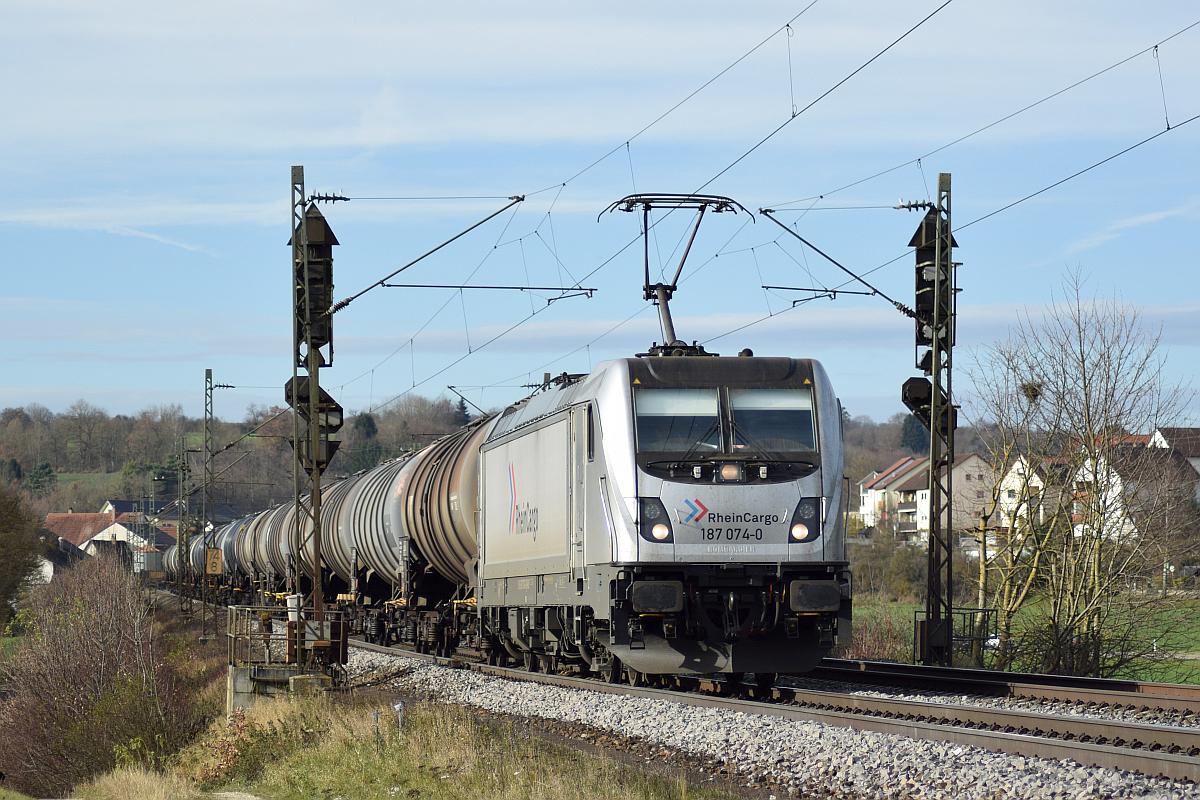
x: 880, y: 634
x: 88, y: 685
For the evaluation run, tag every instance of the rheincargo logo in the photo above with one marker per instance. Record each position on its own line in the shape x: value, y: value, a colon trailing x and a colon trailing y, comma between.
x: 698, y: 510
x: 756, y: 519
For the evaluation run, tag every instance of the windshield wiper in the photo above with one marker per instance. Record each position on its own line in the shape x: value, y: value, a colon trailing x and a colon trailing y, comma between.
x: 753, y: 444
x: 713, y: 426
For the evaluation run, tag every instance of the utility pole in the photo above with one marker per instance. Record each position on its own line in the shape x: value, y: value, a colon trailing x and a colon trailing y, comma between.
x: 931, y: 400
x: 316, y: 417
x: 212, y: 557
x: 182, y: 545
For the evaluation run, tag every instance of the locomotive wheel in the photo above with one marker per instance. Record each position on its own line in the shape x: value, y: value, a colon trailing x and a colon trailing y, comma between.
x: 635, y: 678
x: 531, y: 661
x: 613, y: 673
x: 765, y: 680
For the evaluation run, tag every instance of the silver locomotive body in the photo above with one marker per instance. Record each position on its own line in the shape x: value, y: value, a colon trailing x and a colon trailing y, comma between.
x: 668, y: 514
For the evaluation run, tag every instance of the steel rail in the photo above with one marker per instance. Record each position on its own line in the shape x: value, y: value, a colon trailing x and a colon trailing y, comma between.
x: 1119, y: 733
x: 1061, y: 688
x: 1108, y: 744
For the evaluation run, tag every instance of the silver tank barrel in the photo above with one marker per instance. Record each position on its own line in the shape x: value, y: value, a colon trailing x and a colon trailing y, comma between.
x: 171, y: 561
x: 365, y: 521
x: 336, y: 552
x: 244, y: 544
x: 440, y: 501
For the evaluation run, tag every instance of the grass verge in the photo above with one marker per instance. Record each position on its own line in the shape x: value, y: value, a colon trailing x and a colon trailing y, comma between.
x: 287, y: 749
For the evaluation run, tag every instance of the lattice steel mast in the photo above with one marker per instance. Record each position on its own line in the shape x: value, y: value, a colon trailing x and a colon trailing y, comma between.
x: 315, y: 415
x: 932, y: 401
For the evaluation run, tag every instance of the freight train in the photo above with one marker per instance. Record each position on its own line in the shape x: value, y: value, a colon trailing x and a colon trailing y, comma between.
x: 668, y: 514
x: 673, y: 513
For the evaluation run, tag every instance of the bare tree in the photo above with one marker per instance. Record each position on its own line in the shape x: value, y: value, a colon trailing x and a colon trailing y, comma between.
x: 89, y: 676
x: 1081, y: 510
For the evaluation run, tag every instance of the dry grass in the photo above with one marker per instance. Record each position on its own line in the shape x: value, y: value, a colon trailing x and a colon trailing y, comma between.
x: 882, y: 632
x: 137, y: 783
x: 315, y: 748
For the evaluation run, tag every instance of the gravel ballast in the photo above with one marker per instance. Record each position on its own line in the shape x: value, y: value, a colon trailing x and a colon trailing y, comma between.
x: 803, y: 758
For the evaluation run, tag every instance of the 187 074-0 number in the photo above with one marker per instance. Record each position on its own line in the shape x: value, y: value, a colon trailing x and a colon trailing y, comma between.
x: 731, y: 534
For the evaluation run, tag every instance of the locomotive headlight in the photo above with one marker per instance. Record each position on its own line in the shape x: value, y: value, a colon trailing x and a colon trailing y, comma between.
x: 731, y: 472
x: 806, y: 520
x: 653, y: 523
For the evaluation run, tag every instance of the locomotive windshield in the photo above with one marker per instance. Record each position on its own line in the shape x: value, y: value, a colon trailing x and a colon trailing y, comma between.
x: 696, y: 423
x: 678, y: 420
x: 772, y: 420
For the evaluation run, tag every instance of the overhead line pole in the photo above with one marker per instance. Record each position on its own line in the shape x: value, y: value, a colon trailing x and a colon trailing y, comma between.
x: 315, y: 414
x: 932, y: 401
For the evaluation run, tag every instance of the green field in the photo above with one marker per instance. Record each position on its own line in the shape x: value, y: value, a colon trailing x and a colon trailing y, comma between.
x: 884, y: 630
x: 65, y: 478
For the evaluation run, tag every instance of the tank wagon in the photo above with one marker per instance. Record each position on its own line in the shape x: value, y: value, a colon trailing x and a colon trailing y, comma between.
x: 677, y: 512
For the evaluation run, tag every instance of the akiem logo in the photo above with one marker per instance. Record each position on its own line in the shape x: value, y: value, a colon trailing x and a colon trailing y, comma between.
x: 698, y: 510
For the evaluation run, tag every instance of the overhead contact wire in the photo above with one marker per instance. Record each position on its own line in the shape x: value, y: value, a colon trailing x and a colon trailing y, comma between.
x: 993, y: 124
x: 672, y: 109
x: 824, y: 94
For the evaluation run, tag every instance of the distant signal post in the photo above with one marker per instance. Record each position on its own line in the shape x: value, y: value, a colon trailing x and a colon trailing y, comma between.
x: 316, y: 417
x: 931, y: 401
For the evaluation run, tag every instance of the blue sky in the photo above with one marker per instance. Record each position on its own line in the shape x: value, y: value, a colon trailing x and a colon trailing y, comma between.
x: 147, y: 153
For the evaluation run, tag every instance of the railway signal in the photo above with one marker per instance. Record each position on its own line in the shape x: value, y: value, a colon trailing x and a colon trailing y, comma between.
x: 931, y: 401
x: 312, y: 348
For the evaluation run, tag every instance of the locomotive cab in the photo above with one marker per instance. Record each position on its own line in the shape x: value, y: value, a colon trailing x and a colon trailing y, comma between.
x: 739, y: 564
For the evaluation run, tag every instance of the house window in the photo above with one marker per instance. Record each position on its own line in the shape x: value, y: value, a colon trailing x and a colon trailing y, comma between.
x: 968, y: 476
x: 1012, y: 494
x: 979, y: 495
x: 975, y: 514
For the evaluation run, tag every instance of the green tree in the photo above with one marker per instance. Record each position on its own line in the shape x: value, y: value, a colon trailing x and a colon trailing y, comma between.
x: 461, y: 415
x: 10, y: 471
x: 41, y: 481
x: 19, y: 549
x: 913, y: 435
x: 362, y: 449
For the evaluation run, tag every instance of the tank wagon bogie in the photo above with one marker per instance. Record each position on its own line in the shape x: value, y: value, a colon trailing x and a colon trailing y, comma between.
x: 668, y: 514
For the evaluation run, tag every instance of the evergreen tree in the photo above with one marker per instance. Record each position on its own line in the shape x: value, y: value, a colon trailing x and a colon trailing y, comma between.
x: 19, y: 549
x: 10, y: 471
x: 461, y: 415
x: 913, y: 435
x: 41, y: 481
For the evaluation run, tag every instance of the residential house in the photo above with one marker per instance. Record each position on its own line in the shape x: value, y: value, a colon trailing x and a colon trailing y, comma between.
x: 1118, y: 493
x: 878, y: 499
x: 1185, y: 441
x: 75, y: 530
x: 971, y: 485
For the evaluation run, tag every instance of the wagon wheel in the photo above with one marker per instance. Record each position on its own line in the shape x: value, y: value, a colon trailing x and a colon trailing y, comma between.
x: 634, y: 677
x: 531, y: 661
x: 765, y: 680
x: 612, y: 673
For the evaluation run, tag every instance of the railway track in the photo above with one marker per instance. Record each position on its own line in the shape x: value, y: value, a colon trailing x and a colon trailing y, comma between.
x: 1137, y: 695
x: 1158, y: 750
